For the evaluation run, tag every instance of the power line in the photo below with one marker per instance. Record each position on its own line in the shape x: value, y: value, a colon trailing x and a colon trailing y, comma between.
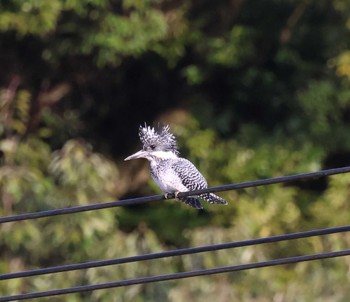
x: 174, y: 276
x: 78, y: 209
x: 267, y: 181
x: 172, y: 253
x: 140, y: 200
x: 179, y: 252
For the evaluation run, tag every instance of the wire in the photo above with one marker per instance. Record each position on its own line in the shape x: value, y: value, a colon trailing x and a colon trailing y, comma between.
x: 267, y: 181
x: 140, y: 200
x: 174, y: 276
x: 175, y: 252
x: 78, y: 209
x: 179, y: 252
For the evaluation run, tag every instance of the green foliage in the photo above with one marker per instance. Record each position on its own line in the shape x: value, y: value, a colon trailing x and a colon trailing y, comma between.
x: 323, y: 104
x: 231, y: 50
x: 79, y: 170
x: 251, y: 89
x: 89, y: 27
x: 30, y: 16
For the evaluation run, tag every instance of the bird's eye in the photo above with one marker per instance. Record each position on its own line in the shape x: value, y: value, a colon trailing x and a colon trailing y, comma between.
x: 152, y: 147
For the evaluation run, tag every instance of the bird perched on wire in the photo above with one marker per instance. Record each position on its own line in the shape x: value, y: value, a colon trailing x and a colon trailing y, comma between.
x: 172, y: 173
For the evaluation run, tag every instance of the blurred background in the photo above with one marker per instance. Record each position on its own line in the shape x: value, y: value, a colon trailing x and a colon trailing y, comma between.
x: 251, y: 89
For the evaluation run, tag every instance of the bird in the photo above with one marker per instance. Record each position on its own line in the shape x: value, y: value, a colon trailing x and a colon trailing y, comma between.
x: 172, y: 173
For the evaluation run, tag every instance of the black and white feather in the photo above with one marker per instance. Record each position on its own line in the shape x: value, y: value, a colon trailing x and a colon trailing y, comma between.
x: 172, y: 173
x: 158, y: 138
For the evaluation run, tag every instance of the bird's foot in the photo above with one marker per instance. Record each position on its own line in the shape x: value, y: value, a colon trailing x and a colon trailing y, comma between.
x: 171, y: 195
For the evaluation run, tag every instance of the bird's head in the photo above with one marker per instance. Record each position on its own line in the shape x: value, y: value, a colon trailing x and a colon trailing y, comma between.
x: 158, y: 143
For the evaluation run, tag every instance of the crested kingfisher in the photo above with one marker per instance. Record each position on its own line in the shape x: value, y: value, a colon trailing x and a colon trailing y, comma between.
x: 172, y: 173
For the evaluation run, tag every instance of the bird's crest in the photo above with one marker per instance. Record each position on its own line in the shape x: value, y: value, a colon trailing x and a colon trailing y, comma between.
x: 159, y: 137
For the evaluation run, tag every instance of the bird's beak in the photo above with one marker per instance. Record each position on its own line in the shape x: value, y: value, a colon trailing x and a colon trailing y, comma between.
x: 139, y: 154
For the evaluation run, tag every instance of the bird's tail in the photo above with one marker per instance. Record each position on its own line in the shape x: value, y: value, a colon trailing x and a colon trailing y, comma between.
x: 191, y: 201
x: 212, y: 198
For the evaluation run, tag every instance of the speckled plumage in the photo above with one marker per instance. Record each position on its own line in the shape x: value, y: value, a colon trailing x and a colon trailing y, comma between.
x: 161, y: 138
x: 170, y: 172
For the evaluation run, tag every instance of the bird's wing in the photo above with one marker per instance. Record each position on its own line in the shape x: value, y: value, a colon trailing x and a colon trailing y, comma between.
x: 191, y: 178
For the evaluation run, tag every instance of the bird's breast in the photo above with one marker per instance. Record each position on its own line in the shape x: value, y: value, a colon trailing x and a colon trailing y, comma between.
x: 166, y: 178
